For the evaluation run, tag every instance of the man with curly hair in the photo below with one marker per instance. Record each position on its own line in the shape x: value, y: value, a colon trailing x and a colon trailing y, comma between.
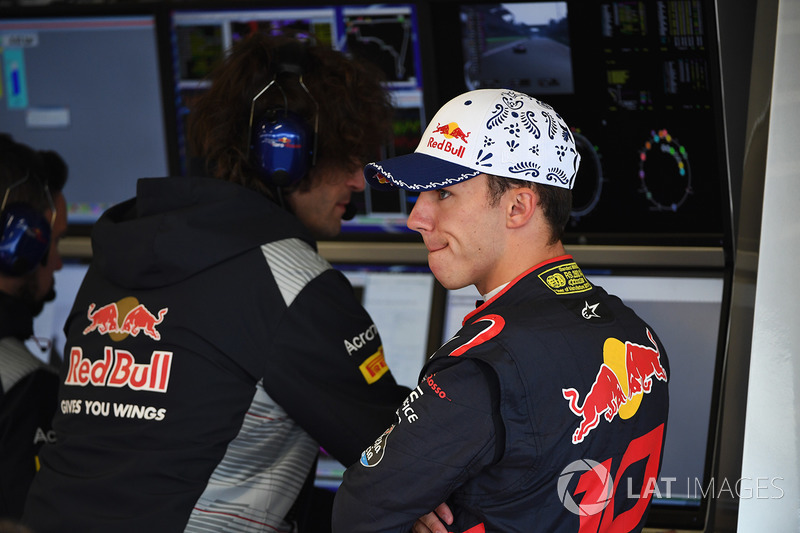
x: 211, y: 351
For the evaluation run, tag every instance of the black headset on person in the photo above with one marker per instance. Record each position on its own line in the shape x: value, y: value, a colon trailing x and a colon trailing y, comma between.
x: 284, y: 145
x: 24, y: 233
x: 281, y: 144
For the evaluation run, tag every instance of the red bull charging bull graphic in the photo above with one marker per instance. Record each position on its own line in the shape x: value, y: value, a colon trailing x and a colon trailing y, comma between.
x: 118, y: 368
x: 625, y: 376
x: 122, y: 318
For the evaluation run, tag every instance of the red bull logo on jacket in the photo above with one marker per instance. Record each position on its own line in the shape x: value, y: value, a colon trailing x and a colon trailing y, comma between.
x: 118, y: 369
x: 123, y: 318
x: 625, y: 376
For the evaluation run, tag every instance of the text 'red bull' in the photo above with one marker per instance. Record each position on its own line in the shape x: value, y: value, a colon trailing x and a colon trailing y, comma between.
x: 118, y: 368
x: 450, y: 131
x: 447, y: 146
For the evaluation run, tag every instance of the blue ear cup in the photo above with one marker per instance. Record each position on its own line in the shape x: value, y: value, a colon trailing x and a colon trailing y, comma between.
x: 282, y: 147
x: 24, y: 239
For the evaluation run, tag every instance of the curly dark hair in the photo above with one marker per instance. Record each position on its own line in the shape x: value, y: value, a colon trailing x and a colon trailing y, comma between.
x: 556, y: 202
x: 355, y: 111
x: 40, y: 168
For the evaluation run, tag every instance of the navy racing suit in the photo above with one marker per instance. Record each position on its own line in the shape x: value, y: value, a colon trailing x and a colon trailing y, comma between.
x: 547, y: 411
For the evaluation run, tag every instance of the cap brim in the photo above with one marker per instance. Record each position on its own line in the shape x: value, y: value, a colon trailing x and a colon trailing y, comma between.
x: 416, y: 172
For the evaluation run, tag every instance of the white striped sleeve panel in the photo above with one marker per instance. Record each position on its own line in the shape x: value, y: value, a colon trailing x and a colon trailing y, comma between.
x: 18, y: 362
x: 294, y: 264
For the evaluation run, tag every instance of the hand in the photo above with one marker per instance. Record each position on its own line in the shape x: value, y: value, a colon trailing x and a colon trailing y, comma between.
x: 432, y: 522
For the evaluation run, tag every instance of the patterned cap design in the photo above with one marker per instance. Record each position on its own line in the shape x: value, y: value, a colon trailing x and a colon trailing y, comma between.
x: 486, y: 131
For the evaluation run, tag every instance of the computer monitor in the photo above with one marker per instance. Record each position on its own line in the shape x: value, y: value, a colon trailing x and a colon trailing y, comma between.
x: 88, y: 87
x: 48, y: 339
x: 688, y: 311
x: 386, y: 35
x: 400, y: 299
x: 520, y: 46
x: 389, y: 36
x: 638, y: 82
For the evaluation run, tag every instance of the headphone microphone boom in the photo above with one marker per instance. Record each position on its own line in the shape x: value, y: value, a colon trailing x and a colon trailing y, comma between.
x: 350, y: 211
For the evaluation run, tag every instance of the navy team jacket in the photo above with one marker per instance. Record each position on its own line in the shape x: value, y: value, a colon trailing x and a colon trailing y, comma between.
x: 210, y: 353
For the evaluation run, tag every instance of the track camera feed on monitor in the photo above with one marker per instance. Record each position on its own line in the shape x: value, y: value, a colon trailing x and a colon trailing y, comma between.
x: 639, y: 84
x: 521, y: 46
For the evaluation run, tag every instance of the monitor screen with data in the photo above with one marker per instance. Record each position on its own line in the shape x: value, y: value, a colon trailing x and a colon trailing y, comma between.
x: 638, y: 83
x: 385, y: 35
x: 88, y: 87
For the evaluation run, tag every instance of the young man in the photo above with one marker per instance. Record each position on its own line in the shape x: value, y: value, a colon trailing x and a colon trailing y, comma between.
x: 547, y: 410
x: 210, y: 350
x: 33, y: 218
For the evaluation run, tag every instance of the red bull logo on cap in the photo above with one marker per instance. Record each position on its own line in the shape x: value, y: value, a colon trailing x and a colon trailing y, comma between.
x: 625, y: 376
x: 123, y: 318
x: 452, y: 131
x: 449, y: 131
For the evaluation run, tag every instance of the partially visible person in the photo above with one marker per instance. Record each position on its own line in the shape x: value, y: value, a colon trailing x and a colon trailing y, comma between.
x: 547, y: 410
x: 32, y: 220
x: 211, y: 351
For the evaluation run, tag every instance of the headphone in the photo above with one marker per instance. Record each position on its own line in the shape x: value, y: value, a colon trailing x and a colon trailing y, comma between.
x: 24, y: 234
x: 283, y: 145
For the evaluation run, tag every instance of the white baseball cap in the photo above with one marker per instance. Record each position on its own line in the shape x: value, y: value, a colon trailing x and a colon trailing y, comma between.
x: 487, y: 131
